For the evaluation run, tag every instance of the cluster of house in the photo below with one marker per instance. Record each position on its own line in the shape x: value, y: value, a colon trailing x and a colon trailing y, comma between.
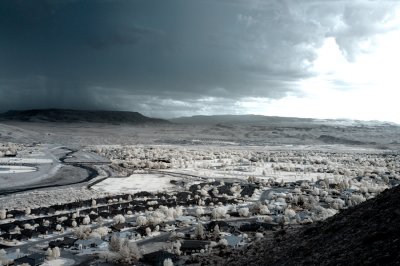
x: 46, y: 220
x: 21, y: 225
x: 233, y: 233
x: 19, y: 258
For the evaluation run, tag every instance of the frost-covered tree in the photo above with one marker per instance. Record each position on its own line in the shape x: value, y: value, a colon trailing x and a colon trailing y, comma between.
x: 115, y: 244
x: 336, y: 204
x: 49, y: 253
x: 119, y: 219
x: 17, y: 230
x: 141, y: 220
x: 215, y: 191
x: 102, y: 231
x: 218, y: 213
x: 290, y: 213
x: 100, y: 221
x: 244, y: 212
x: 168, y: 262
x: 134, y: 251
x: 176, y: 246
x: 236, y: 189
x: 157, y: 217
x: 264, y: 210
x: 121, y: 252
x: 56, y: 252
x: 86, y: 220
x: 268, y: 219
x: 94, y: 234
x: 216, y: 231
x: 62, y: 219
x: 82, y: 232
x: 124, y: 254
x: 148, y: 231
x: 356, y: 199
x: 3, y: 214
x: 3, y: 254
x: 28, y: 226
x: 199, y: 211
x: 199, y: 231
x: 204, y: 192
x: 223, y: 242
x: 179, y: 210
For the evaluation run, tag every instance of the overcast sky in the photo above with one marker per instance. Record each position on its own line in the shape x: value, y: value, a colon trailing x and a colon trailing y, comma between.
x: 325, y: 59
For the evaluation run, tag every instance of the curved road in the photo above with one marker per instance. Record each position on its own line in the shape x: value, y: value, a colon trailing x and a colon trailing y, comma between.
x: 91, y: 173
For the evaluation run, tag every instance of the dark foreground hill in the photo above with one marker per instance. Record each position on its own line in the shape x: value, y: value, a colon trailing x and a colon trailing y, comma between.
x: 71, y: 116
x: 368, y: 234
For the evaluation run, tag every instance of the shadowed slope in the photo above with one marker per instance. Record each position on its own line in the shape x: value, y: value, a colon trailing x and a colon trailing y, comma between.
x: 368, y: 234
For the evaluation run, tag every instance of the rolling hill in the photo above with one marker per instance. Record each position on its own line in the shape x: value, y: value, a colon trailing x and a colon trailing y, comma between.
x: 74, y: 116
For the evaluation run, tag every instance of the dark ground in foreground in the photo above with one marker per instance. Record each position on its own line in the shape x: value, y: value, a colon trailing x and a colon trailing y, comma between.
x: 368, y: 234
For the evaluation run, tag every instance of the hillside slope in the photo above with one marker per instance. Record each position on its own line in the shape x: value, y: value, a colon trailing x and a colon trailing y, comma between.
x: 70, y: 116
x: 368, y: 234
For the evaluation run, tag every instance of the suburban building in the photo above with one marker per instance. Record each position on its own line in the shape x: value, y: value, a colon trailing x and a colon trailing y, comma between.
x: 33, y: 259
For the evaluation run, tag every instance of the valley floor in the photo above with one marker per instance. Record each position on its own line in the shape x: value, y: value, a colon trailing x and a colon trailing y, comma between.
x: 180, y: 193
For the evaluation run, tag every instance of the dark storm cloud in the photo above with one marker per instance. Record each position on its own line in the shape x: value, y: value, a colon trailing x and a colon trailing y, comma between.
x: 169, y: 57
x: 123, y: 36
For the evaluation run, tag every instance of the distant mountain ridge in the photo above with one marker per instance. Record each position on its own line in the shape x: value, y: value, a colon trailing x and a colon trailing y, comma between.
x: 249, y: 118
x: 71, y: 116
x: 216, y: 119
x: 125, y: 117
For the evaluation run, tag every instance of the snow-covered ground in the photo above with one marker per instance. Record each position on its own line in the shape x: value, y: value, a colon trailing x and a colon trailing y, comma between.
x: 47, y: 197
x: 59, y: 262
x: 281, y: 152
x: 12, y: 169
x: 135, y: 183
x: 344, y: 165
x: 25, y: 161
